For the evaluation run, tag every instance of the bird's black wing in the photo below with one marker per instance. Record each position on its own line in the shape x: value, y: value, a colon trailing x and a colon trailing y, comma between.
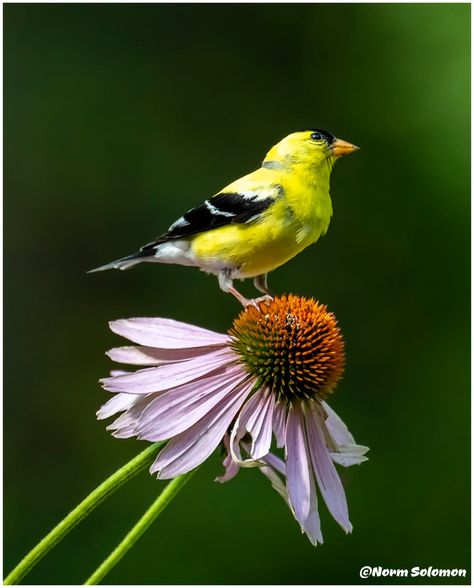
x: 222, y: 209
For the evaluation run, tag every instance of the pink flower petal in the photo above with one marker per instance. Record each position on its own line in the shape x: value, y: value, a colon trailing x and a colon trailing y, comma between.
x: 124, y: 432
x: 189, y: 449
x: 297, y: 466
x: 350, y: 455
x: 163, y: 377
x: 276, y: 482
x: 124, y: 426
x: 256, y: 418
x: 326, y: 475
x: 231, y: 468
x: 261, y: 427
x: 312, y: 524
x: 152, y: 356
x: 118, y: 403
x: 337, y: 428
x: 249, y: 419
x: 166, y: 333
x: 177, y: 409
x: 279, y: 423
x: 275, y: 462
x: 344, y: 450
x: 270, y: 459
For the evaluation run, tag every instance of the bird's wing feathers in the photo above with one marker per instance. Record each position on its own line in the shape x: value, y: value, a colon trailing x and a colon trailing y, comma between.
x: 222, y: 209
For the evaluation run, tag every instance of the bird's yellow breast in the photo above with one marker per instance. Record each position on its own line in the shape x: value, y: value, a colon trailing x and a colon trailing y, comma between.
x: 299, y: 215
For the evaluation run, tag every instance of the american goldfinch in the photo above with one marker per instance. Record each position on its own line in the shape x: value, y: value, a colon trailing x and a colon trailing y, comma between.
x: 258, y: 222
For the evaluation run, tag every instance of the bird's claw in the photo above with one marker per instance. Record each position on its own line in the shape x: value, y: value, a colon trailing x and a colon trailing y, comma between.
x: 257, y: 301
x: 245, y: 302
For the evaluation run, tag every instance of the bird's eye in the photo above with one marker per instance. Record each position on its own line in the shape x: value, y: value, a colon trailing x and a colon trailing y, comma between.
x: 316, y: 136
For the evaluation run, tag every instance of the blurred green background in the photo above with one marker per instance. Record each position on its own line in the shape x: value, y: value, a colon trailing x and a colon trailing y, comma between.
x: 117, y: 119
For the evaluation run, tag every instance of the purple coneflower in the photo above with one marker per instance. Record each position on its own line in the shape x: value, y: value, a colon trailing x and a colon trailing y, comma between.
x: 270, y: 376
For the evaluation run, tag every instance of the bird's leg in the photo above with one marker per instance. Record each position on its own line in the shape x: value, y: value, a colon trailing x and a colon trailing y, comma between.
x: 260, y: 282
x: 243, y: 301
x: 226, y: 285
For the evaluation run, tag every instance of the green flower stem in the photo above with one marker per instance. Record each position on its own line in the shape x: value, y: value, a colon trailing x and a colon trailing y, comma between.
x: 140, y: 527
x: 125, y: 473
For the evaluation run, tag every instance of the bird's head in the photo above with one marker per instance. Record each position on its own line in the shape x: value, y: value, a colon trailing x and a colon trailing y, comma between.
x: 313, y: 148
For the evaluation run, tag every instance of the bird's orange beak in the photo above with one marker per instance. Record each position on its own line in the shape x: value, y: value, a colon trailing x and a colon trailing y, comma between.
x: 339, y: 148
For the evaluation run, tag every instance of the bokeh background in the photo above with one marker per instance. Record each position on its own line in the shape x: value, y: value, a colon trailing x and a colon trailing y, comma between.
x: 117, y: 119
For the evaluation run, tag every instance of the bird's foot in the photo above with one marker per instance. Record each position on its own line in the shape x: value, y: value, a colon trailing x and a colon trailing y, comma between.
x: 257, y: 301
x: 249, y: 301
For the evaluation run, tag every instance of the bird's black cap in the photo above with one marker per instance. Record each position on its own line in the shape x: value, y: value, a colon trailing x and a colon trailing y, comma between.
x: 325, y: 134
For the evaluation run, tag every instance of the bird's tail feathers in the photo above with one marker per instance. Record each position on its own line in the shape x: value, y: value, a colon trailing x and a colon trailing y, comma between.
x: 124, y: 262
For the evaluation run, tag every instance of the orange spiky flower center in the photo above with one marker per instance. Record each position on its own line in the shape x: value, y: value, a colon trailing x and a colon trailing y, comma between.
x: 292, y: 345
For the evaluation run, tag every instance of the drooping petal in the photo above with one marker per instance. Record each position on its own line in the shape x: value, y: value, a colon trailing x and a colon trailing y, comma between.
x: 260, y: 428
x: 312, y: 524
x: 166, y: 333
x: 297, y: 466
x: 279, y: 423
x: 124, y: 426
x: 118, y: 403
x: 152, y: 356
x: 272, y: 465
x: 275, y: 462
x: 255, y: 418
x: 277, y: 483
x: 237, y: 434
x: 326, y: 475
x: 337, y: 427
x: 157, y: 379
x: 231, y: 468
x: 174, y: 411
x: 125, y: 431
x: 350, y: 455
x: 189, y: 449
x: 344, y: 449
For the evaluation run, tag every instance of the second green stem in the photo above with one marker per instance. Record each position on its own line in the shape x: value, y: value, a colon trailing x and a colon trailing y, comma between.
x: 140, y: 527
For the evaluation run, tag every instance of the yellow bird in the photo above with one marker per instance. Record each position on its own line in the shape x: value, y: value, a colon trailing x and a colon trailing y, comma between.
x: 258, y: 222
